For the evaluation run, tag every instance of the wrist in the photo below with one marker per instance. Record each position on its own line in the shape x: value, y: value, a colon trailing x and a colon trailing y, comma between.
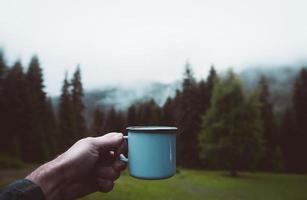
x: 51, y: 178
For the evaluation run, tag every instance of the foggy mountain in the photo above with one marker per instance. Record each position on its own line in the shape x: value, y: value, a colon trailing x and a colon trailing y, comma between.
x: 121, y: 97
x: 280, y: 79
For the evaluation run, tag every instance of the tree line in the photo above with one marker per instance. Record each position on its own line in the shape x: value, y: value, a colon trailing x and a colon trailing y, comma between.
x: 221, y: 126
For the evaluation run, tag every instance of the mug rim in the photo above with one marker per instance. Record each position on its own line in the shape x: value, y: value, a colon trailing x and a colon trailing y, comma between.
x: 151, y: 128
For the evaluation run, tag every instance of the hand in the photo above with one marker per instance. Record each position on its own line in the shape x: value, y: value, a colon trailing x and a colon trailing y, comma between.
x: 90, y: 165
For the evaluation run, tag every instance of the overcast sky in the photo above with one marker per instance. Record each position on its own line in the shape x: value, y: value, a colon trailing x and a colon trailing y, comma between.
x: 128, y: 41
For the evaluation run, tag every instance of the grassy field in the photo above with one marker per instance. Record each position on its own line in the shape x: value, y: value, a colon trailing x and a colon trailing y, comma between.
x: 192, y: 185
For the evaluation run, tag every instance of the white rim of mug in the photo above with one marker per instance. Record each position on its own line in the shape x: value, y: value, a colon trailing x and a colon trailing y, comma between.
x: 152, y: 128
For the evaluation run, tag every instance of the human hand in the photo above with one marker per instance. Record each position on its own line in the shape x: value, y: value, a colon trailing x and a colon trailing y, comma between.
x: 90, y: 165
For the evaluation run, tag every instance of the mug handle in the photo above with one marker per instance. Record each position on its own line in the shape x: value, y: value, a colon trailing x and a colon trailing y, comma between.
x: 121, y: 156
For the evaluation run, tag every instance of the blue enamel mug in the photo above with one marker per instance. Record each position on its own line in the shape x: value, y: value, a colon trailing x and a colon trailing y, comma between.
x: 151, y: 152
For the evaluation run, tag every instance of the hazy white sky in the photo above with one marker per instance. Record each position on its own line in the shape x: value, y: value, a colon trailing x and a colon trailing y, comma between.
x: 125, y: 41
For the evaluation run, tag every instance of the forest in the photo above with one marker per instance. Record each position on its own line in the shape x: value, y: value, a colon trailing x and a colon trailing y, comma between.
x: 221, y: 125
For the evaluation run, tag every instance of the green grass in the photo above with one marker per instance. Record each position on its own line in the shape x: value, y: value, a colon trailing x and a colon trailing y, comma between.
x: 9, y: 162
x: 210, y: 185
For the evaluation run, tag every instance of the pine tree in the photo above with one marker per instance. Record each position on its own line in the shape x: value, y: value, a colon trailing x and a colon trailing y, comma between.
x: 211, y: 79
x: 16, y: 126
x: 51, y: 130
x: 65, y: 116
x: 188, y: 120
x: 300, y: 99
x: 114, y: 121
x: 231, y: 128
x: 300, y: 109
x: 79, y: 126
x: 204, y: 91
x: 143, y: 114
x: 270, y: 136
x: 3, y: 70
x: 36, y: 105
x: 168, y: 112
x: 132, y: 116
x: 98, y: 122
x: 291, y: 143
x: 149, y: 113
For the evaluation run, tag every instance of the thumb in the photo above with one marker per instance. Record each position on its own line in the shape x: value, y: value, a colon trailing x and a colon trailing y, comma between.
x: 108, y: 142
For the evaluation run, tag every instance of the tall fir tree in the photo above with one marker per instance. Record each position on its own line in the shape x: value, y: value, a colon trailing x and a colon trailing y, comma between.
x: 188, y: 120
x: 16, y: 126
x: 291, y: 143
x: 211, y: 79
x: 167, y: 115
x: 3, y: 70
x: 98, y: 122
x: 36, y: 105
x: 271, y: 158
x: 300, y: 109
x: 51, y: 130
x: 132, y: 116
x: 65, y: 116
x: 3, y: 109
x: 79, y: 126
x: 114, y: 121
x: 231, y: 128
x: 149, y: 113
x: 202, y: 93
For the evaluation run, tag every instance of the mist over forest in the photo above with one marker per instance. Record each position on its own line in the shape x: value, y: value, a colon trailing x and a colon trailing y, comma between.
x: 280, y: 80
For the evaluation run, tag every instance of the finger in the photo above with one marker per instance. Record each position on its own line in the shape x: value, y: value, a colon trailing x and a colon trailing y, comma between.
x: 105, y: 185
x: 107, y: 173
x: 122, y: 149
x: 106, y: 158
x: 119, y: 165
x: 109, y: 142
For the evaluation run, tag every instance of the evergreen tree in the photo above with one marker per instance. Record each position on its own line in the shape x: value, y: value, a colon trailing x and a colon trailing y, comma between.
x: 65, y: 116
x: 270, y: 135
x: 149, y: 113
x: 36, y: 106
x: 16, y: 113
x: 51, y: 130
x: 188, y: 120
x: 202, y: 93
x: 231, y: 127
x: 300, y: 99
x: 176, y: 104
x: 79, y: 127
x: 210, y: 83
x: 3, y: 70
x: 142, y: 114
x: 114, y: 122
x: 300, y: 109
x: 205, y: 89
x: 132, y: 116
x: 291, y: 143
x: 168, y: 112
x: 98, y: 122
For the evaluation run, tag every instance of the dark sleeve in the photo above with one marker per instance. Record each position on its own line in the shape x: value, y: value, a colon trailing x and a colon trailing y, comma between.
x: 22, y: 189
